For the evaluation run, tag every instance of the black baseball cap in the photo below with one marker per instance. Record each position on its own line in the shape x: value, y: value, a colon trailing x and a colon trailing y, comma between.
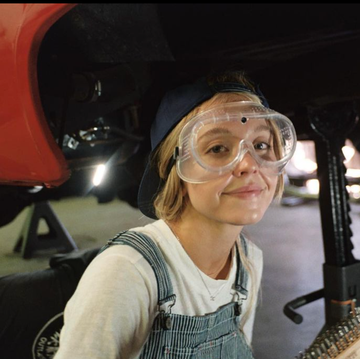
x: 174, y: 106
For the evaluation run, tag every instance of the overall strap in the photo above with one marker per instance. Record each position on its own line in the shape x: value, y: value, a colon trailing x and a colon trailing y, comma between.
x: 150, y: 251
x: 241, y: 274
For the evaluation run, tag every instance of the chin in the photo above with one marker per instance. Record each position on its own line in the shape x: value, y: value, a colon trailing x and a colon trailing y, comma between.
x: 247, y: 219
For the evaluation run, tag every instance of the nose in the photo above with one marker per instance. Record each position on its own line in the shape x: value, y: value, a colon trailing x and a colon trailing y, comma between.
x: 247, y: 164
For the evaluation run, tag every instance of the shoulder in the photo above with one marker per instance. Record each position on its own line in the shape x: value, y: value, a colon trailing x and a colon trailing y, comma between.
x: 121, y: 263
x: 123, y: 251
x: 118, y: 256
x: 162, y: 236
x: 158, y: 231
x: 119, y: 267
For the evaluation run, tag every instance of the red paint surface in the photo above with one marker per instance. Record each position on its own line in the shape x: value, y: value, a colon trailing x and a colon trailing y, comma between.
x: 29, y: 154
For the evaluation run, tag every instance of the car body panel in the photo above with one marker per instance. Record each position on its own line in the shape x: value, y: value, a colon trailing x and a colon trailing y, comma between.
x: 29, y: 154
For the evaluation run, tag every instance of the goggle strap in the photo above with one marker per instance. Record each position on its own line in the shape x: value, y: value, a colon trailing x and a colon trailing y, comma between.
x: 172, y: 161
x: 176, y: 153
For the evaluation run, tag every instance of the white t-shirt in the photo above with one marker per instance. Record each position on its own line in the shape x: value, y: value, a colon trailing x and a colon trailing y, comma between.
x: 112, y: 310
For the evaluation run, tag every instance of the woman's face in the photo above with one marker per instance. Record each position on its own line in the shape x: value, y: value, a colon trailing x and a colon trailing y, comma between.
x: 239, y: 197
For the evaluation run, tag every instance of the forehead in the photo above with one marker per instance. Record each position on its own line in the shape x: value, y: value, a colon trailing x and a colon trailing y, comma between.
x: 235, y: 127
x: 229, y: 109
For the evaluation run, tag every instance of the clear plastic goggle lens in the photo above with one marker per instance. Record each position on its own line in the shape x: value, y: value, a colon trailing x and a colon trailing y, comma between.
x: 215, y: 141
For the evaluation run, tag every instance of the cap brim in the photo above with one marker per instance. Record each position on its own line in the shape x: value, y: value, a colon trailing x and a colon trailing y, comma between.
x: 150, y: 186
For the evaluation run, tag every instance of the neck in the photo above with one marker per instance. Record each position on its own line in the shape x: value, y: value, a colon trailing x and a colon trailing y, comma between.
x: 207, y: 243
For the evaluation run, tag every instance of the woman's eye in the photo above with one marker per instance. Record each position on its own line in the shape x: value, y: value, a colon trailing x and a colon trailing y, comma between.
x: 217, y: 149
x: 261, y: 146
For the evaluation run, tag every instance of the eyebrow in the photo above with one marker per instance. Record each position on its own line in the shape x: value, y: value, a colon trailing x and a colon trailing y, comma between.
x: 264, y: 128
x: 216, y: 131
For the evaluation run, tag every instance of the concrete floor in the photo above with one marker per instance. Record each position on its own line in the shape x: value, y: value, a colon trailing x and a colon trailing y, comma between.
x: 290, y: 238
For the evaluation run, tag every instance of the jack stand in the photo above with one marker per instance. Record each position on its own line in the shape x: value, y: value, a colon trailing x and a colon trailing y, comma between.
x: 30, y: 241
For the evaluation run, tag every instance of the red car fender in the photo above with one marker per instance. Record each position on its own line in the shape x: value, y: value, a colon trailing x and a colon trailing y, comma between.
x: 29, y: 154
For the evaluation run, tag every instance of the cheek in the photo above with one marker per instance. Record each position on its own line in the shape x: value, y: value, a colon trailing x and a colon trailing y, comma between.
x: 196, y: 193
x: 272, y: 183
x: 202, y: 196
x: 209, y: 190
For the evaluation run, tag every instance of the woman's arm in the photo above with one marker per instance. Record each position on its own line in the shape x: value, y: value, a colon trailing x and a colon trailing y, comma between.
x: 112, y: 311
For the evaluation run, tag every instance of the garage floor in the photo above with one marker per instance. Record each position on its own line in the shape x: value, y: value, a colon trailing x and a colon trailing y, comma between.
x: 290, y: 238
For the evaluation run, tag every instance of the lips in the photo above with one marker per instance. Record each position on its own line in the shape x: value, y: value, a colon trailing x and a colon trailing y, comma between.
x: 247, y: 190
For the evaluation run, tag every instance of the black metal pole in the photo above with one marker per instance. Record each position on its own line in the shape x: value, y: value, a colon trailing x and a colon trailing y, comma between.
x: 332, y: 123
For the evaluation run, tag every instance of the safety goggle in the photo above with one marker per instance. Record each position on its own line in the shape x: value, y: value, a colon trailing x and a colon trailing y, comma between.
x: 213, y: 142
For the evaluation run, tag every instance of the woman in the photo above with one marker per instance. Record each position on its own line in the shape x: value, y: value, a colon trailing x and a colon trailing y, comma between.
x: 186, y: 285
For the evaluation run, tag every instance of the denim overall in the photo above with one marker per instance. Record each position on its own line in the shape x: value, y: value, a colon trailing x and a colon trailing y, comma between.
x: 173, y: 336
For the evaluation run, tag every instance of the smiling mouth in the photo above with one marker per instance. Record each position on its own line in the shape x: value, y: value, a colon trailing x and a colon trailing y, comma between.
x: 245, y: 191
